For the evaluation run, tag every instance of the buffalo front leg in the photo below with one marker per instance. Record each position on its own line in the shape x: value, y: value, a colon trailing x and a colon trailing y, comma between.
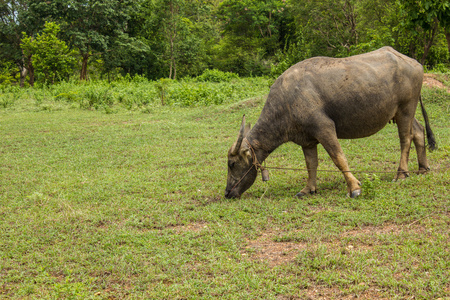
x: 331, y: 144
x: 312, y: 162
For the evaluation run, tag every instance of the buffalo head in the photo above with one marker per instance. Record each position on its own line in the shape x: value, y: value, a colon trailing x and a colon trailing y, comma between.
x: 241, y: 170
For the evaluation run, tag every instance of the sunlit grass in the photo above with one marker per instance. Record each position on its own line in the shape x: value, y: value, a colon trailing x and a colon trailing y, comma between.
x: 130, y: 205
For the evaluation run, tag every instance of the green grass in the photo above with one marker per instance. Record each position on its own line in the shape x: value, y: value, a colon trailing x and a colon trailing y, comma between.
x: 132, y: 94
x: 130, y: 206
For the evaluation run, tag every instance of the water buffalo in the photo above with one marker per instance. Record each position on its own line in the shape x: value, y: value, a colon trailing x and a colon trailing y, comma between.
x: 321, y: 100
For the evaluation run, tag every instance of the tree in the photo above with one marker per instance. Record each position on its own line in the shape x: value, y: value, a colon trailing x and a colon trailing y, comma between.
x: 180, y: 34
x: 332, y: 24
x: 251, y: 34
x: 14, y: 19
x: 427, y: 15
x: 91, y: 26
x: 49, y: 55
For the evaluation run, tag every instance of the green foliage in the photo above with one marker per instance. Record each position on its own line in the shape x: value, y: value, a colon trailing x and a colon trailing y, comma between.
x: 136, y: 93
x: 253, y: 30
x: 441, y: 68
x: 370, y: 185
x: 251, y: 18
x: 14, y: 19
x: 83, y: 28
x: 215, y: 75
x: 439, y: 53
x: 428, y: 16
x: 161, y: 86
x: 332, y: 26
x: 423, y: 13
x: 291, y: 55
x: 49, y: 55
x: 183, y: 38
x: 7, y: 99
x: 180, y: 34
x: 193, y: 93
x: 376, y: 38
x: 7, y: 70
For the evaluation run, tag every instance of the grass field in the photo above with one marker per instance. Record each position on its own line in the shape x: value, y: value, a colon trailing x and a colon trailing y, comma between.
x: 130, y: 205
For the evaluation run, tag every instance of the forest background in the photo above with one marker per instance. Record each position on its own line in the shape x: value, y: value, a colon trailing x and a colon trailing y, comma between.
x: 56, y: 40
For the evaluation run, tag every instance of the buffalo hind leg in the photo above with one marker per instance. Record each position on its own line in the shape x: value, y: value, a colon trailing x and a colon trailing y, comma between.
x: 405, y: 133
x: 418, y: 137
x: 312, y: 162
x: 331, y: 144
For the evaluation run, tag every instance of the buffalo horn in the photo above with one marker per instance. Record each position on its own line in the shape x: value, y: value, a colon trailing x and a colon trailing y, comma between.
x: 240, y: 138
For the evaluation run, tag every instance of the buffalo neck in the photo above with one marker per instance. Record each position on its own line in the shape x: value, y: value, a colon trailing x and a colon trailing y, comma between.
x: 265, y: 137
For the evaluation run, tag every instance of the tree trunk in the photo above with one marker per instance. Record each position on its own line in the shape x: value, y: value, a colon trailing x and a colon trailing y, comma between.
x: 27, y: 65
x: 84, y: 64
x: 172, y: 58
x: 31, y: 74
x: 174, y: 69
x: 23, y: 75
x: 171, y: 32
x: 30, y: 70
x: 429, y: 43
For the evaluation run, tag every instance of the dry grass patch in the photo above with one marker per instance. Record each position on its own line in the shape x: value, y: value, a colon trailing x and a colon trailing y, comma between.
x: 331, y: 293
x: 192, y: 227
x: 269, y: 248
x: 265, y: 249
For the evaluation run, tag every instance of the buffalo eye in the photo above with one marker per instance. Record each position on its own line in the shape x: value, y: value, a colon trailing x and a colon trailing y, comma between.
x: 231, y: 164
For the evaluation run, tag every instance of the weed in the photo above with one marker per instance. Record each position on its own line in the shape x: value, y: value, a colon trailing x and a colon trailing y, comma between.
x: 217, y: 76
x: 370, y: 185
x: 135, y: 93
x: 6, y: 100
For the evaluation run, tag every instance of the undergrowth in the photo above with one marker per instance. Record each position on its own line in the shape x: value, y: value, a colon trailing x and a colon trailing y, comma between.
x: 211, y: 88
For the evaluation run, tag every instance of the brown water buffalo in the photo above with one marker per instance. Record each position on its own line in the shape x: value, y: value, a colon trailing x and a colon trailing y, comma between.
x: 321, y: 100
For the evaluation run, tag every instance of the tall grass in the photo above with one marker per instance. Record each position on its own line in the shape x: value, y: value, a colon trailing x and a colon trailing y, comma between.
x: 133, y: 93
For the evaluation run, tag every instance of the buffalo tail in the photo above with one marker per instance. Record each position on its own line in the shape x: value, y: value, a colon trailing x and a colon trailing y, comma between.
x: 432, y: 145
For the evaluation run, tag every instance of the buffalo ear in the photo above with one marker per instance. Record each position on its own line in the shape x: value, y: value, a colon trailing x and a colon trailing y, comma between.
x: 247, y: 154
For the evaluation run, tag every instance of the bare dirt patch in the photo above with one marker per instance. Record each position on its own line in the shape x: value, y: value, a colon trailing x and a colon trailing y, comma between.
x: 192, y: 227
x: 266, y: 249
x: 331, y: 293
x: 385, y: 229
x: 431, y: 81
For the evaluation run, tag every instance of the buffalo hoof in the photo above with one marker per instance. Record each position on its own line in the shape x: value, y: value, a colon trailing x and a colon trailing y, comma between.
x: 302, y: 194
x: 423, y: 170
x: 400, y: 176
x: 355, y: 193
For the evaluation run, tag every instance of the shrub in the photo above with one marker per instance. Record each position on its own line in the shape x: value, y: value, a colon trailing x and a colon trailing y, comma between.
x: 50, y: 55
x: 135, y: 93
x: 441, y: 68
x: 217, y: 76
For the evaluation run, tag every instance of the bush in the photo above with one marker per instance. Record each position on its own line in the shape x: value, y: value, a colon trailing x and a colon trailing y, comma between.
x: 6, y: 74
x: 291, y: 55
x: 48, y: 54
x: 136, y: 93
x: 441, y: 68
x: 216, y: 76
